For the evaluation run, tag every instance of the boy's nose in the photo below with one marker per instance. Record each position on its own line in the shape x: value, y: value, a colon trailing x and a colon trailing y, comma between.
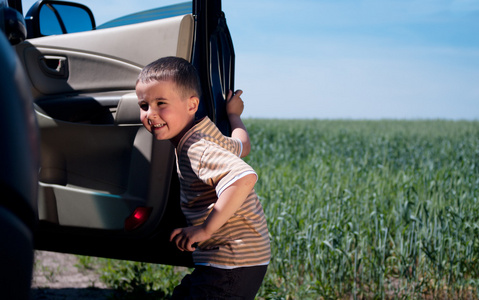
x: 151, y: 113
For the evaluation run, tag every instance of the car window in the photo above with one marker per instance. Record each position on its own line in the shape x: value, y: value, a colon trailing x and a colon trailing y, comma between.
x: 62, y: 19
x: 150, y: 15
x: 74, y: 19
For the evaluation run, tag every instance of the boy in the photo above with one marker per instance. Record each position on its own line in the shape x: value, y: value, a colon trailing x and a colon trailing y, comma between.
x: 227, y: 230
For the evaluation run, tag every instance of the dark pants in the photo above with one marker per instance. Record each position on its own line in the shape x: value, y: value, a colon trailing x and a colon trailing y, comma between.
x: 215, y: 283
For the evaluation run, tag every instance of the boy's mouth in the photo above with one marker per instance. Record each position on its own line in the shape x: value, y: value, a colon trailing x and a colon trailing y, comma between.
x: 158, y: 125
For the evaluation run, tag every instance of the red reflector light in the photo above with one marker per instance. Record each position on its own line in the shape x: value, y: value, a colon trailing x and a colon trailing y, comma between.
x: 137, y: 218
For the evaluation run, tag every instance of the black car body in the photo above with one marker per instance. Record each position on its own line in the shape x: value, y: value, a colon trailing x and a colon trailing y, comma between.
x: 19, y: 162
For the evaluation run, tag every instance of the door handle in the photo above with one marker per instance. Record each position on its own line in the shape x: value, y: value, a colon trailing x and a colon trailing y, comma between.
x: 56, y: 66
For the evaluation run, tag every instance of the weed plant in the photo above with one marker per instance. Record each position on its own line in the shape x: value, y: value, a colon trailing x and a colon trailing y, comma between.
x: 361, y: 209
x: 135, y: 280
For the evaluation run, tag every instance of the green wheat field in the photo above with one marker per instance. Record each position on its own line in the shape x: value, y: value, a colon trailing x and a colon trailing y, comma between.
x: 360, y: 210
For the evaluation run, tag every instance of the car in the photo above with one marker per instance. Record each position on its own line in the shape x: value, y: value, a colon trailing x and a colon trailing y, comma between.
x: 19, y: 162
x: 106, y: 188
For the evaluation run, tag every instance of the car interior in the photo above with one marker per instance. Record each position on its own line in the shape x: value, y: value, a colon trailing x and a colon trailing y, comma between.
x: 94, y: 149
x: 103, y: 178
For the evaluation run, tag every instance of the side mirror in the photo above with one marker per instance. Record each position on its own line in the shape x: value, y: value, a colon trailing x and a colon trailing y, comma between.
x: 13, y: 25
x: 52, y: 17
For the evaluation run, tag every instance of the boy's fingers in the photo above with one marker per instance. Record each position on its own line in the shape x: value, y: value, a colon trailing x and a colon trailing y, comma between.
x: 180, y: 242
x: 238, y: 93
x: 174, y: 233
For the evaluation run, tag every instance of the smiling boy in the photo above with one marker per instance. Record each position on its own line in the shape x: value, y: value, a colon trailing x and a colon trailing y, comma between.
x: 227, y: 230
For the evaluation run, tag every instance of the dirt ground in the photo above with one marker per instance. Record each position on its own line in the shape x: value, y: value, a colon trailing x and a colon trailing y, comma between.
x: 56, y: 277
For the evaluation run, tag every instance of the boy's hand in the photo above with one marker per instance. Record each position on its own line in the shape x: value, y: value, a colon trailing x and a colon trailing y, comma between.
x: 227, y: 204
x: 234, y: 103
x: 234, y: 109
x: 186, y: 238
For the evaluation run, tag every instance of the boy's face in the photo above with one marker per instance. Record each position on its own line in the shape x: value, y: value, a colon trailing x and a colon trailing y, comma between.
x: 163, y: 110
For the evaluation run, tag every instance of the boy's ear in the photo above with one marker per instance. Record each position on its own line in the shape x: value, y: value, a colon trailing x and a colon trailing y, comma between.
x: 193, y: 104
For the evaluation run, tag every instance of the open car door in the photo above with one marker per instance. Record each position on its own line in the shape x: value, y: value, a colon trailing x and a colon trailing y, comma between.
x: 107, y: 188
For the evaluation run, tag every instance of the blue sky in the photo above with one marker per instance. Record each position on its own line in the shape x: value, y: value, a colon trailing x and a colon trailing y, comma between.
x: 349, y: 59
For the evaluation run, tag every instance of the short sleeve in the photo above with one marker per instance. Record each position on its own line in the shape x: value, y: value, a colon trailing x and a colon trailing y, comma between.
x: 220, y: 168
x: 234, y: 145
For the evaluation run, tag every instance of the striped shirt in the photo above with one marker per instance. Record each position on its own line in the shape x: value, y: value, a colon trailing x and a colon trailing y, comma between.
x: 208, y: 163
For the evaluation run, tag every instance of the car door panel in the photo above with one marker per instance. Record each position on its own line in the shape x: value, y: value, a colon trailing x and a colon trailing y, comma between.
x: 98, y: 163
x: 81, y: 71
x: 106, y: 158
x: 91, y: 176
x: 102, y: 60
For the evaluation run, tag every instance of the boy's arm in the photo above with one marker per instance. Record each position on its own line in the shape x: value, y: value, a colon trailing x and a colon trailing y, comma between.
x: 228, y: 203
x: 234, y: 109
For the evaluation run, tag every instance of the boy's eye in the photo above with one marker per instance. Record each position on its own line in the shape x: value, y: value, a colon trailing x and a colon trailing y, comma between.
x: 143, y: 106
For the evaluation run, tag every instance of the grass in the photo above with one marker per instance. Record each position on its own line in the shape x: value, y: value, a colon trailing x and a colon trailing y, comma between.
x: 367, y: 209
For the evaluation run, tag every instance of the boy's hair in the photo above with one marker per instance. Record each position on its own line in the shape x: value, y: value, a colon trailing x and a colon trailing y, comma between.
x: 176, y: 69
